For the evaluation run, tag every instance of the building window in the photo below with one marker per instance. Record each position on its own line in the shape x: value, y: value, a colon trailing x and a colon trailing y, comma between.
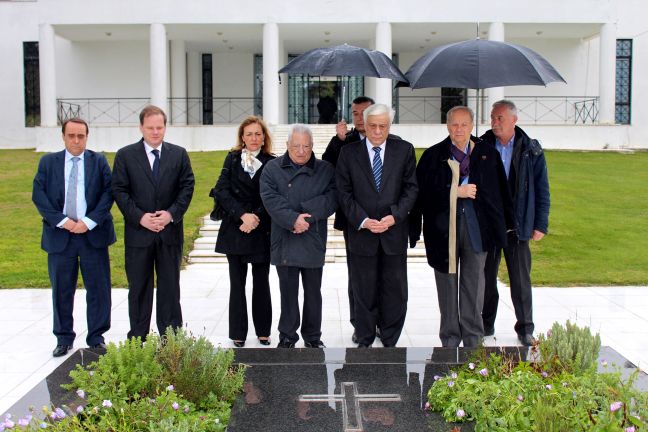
x: 207, y: 90
x: 32, y: 84
x: 623, y: 89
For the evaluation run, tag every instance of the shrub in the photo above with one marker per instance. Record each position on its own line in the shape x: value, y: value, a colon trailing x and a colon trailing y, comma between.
x: 552, y: 394
x: 177, y: 383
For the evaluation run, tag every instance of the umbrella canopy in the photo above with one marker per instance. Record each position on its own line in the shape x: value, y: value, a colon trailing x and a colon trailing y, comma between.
x: 344, y: 60
x: 480, y: 64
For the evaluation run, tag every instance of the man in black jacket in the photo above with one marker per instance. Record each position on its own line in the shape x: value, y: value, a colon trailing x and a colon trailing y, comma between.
x: 466, y: 211
x: 526, y: 170
x: 331, y: 154
x: 376, y: 181
x: 153, y: 184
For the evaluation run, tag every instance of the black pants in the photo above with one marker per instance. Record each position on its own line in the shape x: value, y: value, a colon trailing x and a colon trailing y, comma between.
x: 380, y: 296
x: 63, y: 271
x: 350, y: 279
x: 140, y: 265
x: 518, y: 262
x: 261, y: 302
x: 311, y: 328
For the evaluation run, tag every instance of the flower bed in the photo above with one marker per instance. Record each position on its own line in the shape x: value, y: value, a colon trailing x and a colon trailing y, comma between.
x: 560, y: 391
x: 172, y: 383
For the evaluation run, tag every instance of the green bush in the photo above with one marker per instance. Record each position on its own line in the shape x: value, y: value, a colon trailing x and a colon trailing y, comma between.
x: 573, y: 347
x: 175, y: 383
x: 553, y: 393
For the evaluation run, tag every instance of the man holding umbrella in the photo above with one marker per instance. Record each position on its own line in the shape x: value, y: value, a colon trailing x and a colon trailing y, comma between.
x: 526, y: 171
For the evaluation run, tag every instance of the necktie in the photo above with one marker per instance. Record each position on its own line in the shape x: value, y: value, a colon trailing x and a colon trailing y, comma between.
x: 156, y: 165
x: 71, y: 196
x: 377, y: 167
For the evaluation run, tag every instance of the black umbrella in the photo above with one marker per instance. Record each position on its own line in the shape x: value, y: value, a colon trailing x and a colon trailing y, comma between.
x: 479, y: 64
x: 344, y: 60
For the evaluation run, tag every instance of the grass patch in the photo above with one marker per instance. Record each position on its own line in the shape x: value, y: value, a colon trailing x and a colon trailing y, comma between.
x: 24, y: 263
x: 597, y: 223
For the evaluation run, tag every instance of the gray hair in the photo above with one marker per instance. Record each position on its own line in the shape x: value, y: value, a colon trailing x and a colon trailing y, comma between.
x: 452, y: 110
x: 378, y: 109
x: 508, y: 104
x: 299, y: 128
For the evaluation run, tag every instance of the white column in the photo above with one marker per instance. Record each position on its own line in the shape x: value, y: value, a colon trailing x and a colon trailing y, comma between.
x: 194, y: 87
x: 607, y: 71
x: 495, y: 33
x: 383, y: 88
x: 159, y: 75
x: 47, y: 71
x: 178, y: 110
x: 270, y: 73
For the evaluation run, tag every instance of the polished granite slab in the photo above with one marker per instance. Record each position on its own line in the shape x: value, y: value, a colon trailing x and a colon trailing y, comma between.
x: 334, y: 389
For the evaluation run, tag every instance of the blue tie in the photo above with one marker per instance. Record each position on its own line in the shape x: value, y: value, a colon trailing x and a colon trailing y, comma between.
x: 156, y: 165
x: 377, y: 167
x: 71, y: 197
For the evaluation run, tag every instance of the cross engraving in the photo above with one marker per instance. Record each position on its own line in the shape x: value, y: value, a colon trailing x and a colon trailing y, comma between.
x: 350, y: 400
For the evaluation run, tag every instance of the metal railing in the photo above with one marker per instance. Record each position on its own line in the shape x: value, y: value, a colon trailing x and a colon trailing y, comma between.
x: 531, y: 109
x: 103, y: 111
x: 411, y: 109
x: 220, y: 110
x: 182, y: 111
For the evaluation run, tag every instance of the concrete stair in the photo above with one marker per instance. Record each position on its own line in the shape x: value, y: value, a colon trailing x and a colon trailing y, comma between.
x: 321, y: 136
x: 203, y: 251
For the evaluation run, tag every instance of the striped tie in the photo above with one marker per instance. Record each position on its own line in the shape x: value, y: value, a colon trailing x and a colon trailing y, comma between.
x: 377, y: 167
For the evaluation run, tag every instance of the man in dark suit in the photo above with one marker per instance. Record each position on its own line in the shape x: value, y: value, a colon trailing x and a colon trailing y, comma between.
x: 466, y: 210
x: 376, y: 180
x: 153, y: 184
x: 342, y: 137
x: 72, y: 193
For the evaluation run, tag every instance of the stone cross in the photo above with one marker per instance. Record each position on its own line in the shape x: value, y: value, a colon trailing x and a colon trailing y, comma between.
x: 350, y: 400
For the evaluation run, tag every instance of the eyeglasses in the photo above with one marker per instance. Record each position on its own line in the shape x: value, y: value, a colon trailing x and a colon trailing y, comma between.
x: 306, y: 147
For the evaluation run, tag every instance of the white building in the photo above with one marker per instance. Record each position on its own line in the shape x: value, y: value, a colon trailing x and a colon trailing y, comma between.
x: 209, y: 63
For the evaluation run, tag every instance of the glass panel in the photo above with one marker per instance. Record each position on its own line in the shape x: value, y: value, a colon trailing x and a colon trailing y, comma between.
x: 623, y: 81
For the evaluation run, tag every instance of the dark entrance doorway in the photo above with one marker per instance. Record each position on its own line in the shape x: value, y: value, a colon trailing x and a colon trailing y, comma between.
x: 450, y: 98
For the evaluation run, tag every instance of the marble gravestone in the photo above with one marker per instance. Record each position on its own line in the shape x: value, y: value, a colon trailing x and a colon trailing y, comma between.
x: 334, y: 389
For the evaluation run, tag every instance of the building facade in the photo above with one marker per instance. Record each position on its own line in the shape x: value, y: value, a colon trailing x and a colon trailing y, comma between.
x: 210, y: 63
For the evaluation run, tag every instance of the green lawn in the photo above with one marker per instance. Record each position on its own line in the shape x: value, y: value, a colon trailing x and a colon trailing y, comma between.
x: 24, y: 263
x: 598, y: 222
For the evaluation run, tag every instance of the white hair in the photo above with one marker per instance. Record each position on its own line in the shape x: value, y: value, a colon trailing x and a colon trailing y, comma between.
x: 461, y: 108
x: 299, y: 128
x: 508, y: 104
x: 378, y: 109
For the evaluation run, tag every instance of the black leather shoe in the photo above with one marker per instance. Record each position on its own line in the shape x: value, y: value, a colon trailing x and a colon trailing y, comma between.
x: 364, y: 346
x: 489, y: 331
x: 285, y: 343
x: 527, y: 340
x: 354, y: 337
x: 100, y: 346
x: 61, y: 350
x: 265, y: 341
x: 314, y: 344
x: 238, y: 344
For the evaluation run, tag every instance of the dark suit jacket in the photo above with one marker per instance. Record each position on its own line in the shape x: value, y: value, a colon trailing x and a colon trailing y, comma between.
x: 492, y: 203
x: 331, y: 155
x: 359, y: 198
x: 239, y: 194
x: 136, y: 193
x: 48, y: 195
